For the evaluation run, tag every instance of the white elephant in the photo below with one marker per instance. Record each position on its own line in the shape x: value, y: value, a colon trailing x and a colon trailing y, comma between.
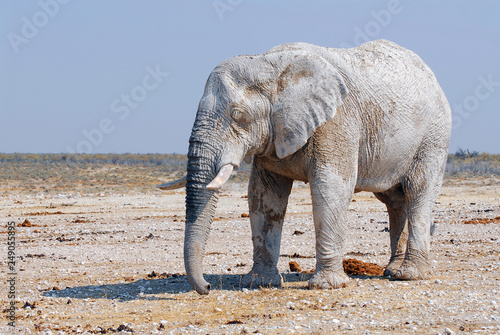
x: 371, y: 118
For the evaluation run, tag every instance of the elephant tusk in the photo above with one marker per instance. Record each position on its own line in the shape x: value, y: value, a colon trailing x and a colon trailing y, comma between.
x: 173, y: 185
x: 222, y: 177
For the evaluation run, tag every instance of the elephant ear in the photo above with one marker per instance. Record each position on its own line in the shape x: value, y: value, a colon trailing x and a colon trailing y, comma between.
x: 309, y: 90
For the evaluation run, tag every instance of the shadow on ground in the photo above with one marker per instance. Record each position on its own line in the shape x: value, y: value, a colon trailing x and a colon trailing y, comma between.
x: 147, y: 288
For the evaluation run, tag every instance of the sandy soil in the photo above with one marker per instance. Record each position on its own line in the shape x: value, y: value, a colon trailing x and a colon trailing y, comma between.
x: 102, y: 263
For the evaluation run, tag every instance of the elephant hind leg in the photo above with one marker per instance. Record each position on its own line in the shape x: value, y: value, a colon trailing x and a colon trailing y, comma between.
x: 421, y: 189
x: 394, y: 199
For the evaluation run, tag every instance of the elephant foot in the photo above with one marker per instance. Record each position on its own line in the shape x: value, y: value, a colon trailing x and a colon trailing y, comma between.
x: 411, y: 270
x: 326, y: 279
x: 393, y: 266
x: 255, y: 279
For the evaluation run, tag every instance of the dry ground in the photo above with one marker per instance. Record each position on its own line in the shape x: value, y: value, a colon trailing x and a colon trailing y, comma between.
x: 102, y: 263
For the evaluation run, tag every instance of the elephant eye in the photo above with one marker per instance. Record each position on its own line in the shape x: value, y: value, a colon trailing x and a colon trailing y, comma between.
x: 239, y: 116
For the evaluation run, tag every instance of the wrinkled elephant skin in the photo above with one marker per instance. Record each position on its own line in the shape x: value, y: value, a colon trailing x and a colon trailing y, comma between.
x: 371, y: 118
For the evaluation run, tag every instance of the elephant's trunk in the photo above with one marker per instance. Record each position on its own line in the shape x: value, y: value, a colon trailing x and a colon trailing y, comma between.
x: 200, y: 208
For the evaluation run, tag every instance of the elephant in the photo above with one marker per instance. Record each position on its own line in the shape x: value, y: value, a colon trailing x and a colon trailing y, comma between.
x: 370, y: 118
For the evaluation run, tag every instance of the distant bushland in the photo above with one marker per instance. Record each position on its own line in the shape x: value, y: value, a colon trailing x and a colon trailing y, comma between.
x: 465, y: 163
x: 85, y: 173
x: 92, y: 173
x: 171, y: 161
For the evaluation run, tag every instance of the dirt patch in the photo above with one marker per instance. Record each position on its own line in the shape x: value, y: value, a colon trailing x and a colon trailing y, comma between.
x: 47, y: 213
x: 482, y: 221
x: 35, y: 255
x: 164, y: 275
x: 80, y: 278
x: 297, y: 255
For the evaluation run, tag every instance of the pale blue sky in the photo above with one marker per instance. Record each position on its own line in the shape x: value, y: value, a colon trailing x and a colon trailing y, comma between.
x: 122, y: 76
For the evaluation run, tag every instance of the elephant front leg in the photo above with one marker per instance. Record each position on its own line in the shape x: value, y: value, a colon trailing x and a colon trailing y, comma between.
x: 267, y: 198
x: 330, y: 202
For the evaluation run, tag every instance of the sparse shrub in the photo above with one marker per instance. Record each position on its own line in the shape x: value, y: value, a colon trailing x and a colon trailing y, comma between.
x: 472, y: 164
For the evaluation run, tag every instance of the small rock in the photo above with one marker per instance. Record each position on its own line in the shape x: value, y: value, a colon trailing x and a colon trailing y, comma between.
x: 448, y: 331
x: 124, y: 328
x: 29, y: 306
x: 233, y: 322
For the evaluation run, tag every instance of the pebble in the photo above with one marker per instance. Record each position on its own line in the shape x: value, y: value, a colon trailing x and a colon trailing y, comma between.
x: 494, y: 304
x: 448, y: 331
x: 447, y: 302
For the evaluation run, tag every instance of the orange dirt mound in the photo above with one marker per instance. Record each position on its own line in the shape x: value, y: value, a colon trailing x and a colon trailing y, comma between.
x: 357, y: 267
x: 26, y: 223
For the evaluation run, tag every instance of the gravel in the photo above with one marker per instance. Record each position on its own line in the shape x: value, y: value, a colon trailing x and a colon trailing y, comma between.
x: 102, y: 263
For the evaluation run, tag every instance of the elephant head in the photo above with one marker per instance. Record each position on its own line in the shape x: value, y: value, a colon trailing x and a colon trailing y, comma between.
x: 264, y: 105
